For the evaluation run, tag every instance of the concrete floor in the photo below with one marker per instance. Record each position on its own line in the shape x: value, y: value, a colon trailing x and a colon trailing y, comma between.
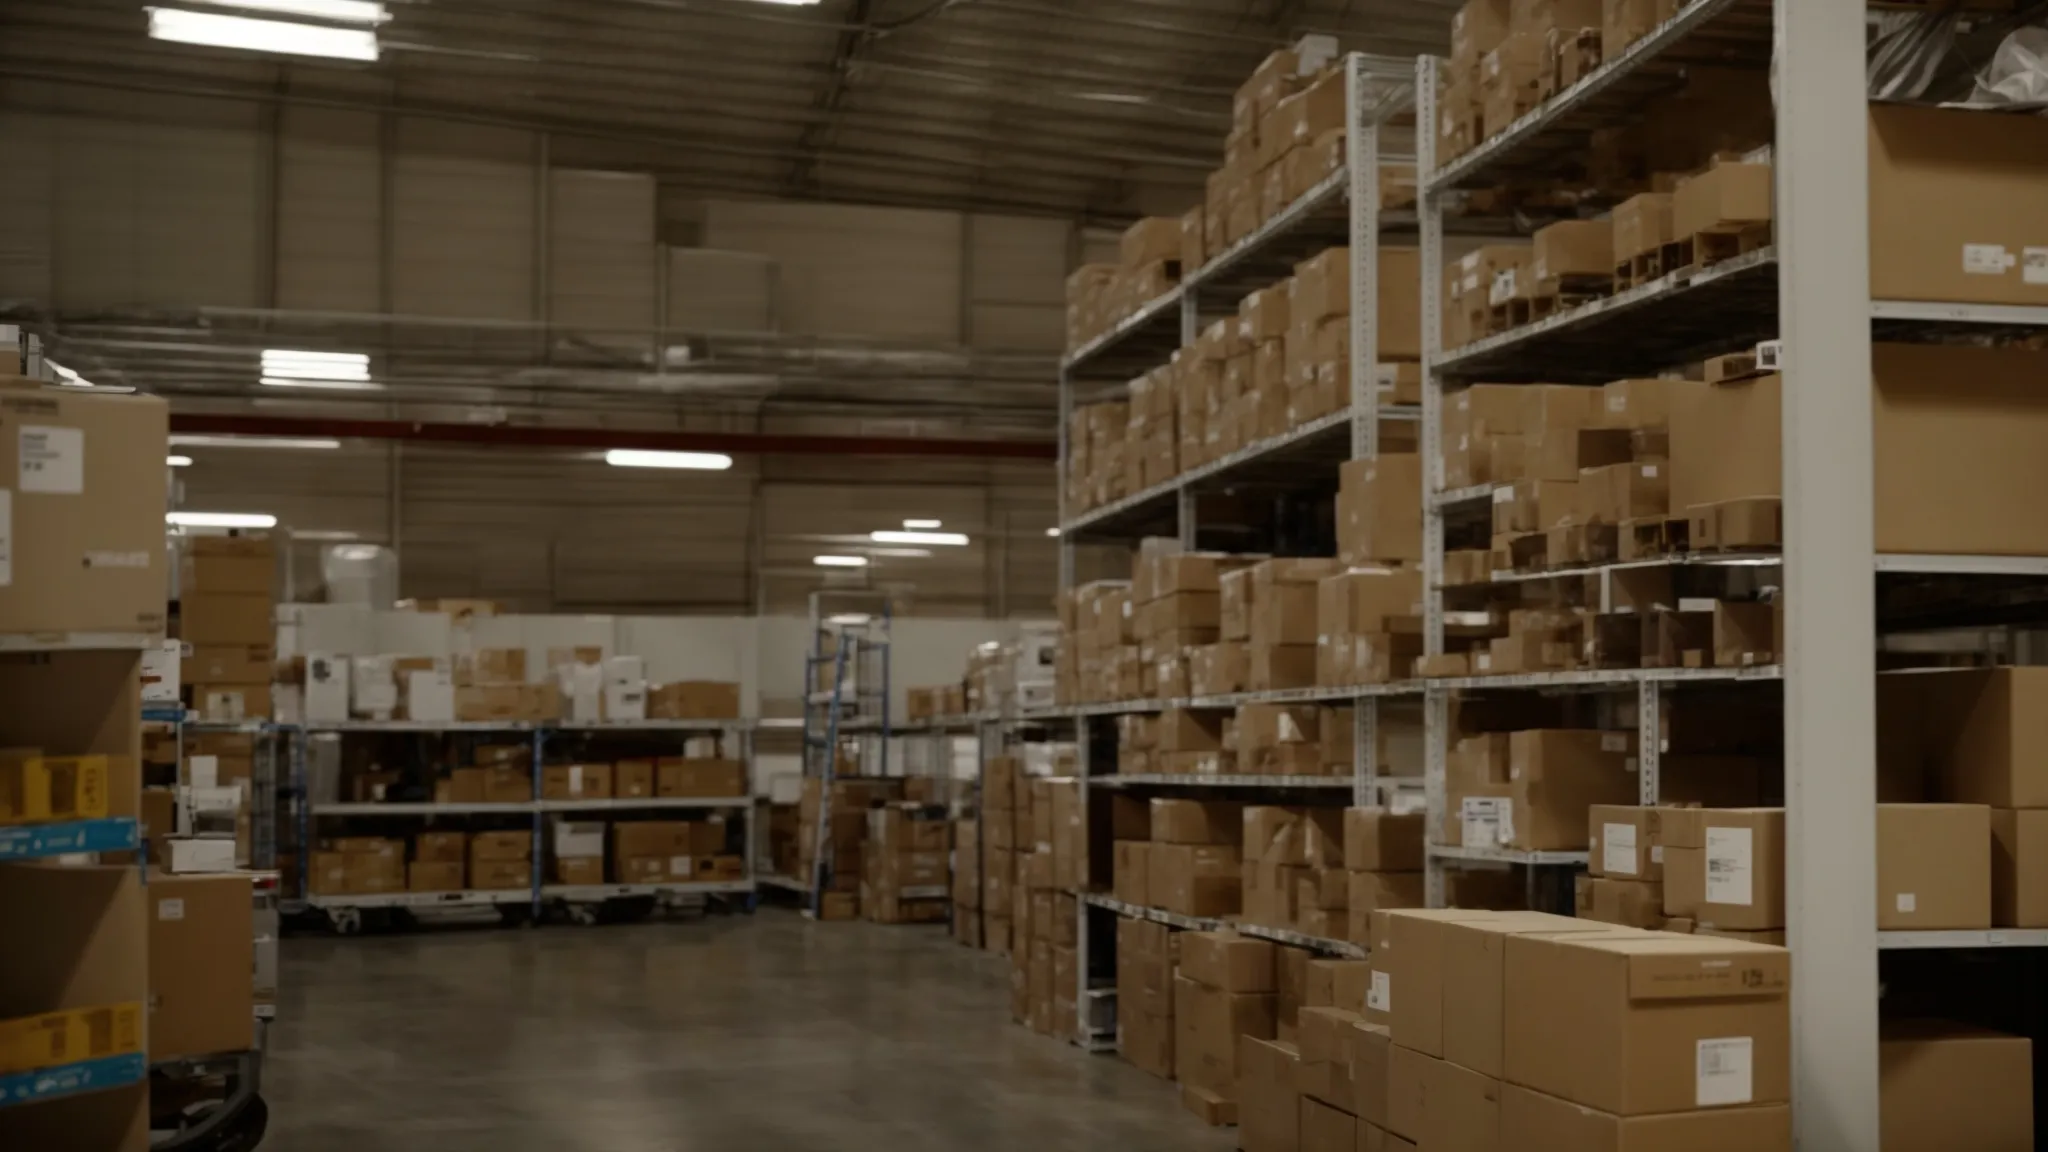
x: 761, y: 1034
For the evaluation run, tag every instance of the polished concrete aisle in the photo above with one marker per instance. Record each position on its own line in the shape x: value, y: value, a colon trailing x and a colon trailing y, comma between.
x: 748, y: 1034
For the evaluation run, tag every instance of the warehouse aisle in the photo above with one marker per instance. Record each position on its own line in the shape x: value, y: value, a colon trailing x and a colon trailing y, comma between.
x: 738, y: 1035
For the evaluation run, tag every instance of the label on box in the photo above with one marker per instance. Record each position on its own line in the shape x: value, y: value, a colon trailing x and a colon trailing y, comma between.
x: 1908, y: 902
x: 1488, y: 821
x: 679, y: 865
x: 6, y: 537
x: 1730, y: 877
x: 170, y: 909
x: 2034, y: 268
x: 1380, y: 997
x: 1724, y: 1072
x: 1618, y: 849
x: 575, y: 779
x: 52, y: 460
x: 117, y: 559
x: 1614, y: 742
x: 1987, y: 259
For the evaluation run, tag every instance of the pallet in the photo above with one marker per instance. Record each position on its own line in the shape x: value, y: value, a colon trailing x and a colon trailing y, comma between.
x: 1654, y: 537
x: 1640, y: 269
x: 1714, y: 246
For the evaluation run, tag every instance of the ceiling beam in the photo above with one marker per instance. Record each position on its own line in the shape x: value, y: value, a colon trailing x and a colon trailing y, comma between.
x: 803, y: 173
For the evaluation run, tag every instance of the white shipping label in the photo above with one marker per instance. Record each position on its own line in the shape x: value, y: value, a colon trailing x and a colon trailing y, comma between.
x: 1618, y: 849
x: 1649, y: 471
x: 1724, y: 1072
x: 1730, y: 873
x: 1505, y: 495
x: 2034, y: 266
x: 575, y: 779
x: 52, y: 460
x: 6, y: 537
x: 1987, y: 259
x: 1381, y: 996
x: 117, y: 559
x: 1908, y: 902
x: 1614, y: 742
x: 679, y: 866
x: 1656, y: 853
x: 170, y: 909
x: 1487, y: 821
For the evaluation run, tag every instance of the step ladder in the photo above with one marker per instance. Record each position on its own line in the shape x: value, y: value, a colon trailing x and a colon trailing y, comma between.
x: 859, y: 662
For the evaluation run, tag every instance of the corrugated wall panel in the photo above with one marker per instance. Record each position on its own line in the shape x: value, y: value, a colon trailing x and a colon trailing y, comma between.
x: 1017, y: 286
x: 27, y: 197
x: 329, y: 227
x: 464, y: 224
x: 716, y: 291
x: 877, y: 272
x: 601, y: 256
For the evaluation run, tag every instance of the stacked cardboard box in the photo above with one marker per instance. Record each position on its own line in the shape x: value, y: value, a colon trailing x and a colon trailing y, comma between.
x: 201, y: 986
x: 1003, y: 784
x: 1149, y: 263
x: 935, y: 701
x: 1177, y: 602
x: 226, y: 613
x: 359, y: 866
x: 1383, y: 861
x: 1045, y: 968
x: 1530, y: 790
x: 1096, y: 444
x: 1227, y: 987
x: 1147, y: 955
x: 1275, y: 604
x: 967, y: 925
x: 1101, y: 633
x: 906, y: 877
x: 439, y: 859
x: 1193, y: 860
x: 1366, y: 618
x: 1493, y: 1015
x: 852, y: 796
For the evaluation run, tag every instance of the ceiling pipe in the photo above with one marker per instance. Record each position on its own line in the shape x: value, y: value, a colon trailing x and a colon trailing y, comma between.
x: 599, y: 439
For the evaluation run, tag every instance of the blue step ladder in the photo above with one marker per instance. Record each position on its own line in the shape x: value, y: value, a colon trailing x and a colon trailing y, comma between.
x: 860, y: 681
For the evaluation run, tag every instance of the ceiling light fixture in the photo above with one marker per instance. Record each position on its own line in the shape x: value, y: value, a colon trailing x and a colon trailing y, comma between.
x: 790, y: 3
x: 324, y: 536
x: 923, y: 525
x: 296, y: 442
x: 323, y: 385
x: 220, y: 519
x: 1053, y: 532
x: 939, y: 539
x: 181, y: 26
x: 178, y: 461
x: 840, y: 561
x: 902, y: 553
x: 688, y: 461
x: 339, y: 11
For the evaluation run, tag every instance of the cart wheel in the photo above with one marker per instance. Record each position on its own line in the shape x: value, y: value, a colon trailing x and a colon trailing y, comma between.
x: 582, y: 915
x: 346, y: 921
x: 245, y: 1132
x: 750, y: 903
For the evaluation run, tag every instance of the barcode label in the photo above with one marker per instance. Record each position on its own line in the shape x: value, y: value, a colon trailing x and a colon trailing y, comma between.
x: 1723, y: 1072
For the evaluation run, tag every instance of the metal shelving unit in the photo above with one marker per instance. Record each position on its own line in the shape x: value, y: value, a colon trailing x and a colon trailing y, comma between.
x: 1344, y: 210
x: 1810, y: 290
x: 345, y: 910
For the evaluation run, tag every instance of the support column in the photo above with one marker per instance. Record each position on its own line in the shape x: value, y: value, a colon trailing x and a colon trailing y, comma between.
x: 1822, y: 159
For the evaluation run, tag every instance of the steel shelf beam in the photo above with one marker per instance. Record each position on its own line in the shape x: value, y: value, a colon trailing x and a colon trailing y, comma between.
x: 1506, y: 856
x: 1196, y: 780
x: 42, y: 841
x: 472, y: 898
x: 78, y: 641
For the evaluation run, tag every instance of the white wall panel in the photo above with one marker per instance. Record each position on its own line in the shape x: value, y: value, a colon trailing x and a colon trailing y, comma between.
x: 710, y: 290
x: 1017, y: 282
x: 878, y: 272
x: 601, y: 255
x: 330, y: 211
x: 464, y: 224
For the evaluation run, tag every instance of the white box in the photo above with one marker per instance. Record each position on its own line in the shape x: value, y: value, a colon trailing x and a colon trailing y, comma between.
x: 160, y: 667
x: 582, y: 688
x: 225, y: 706
x: 700, y: 748
x: 578, y: 840
x: 373, y: 687
x: 625, y: 670
x: 430, y: 695
x: 210, y: 810
x: 202, y: 771
x: 326, y: 688
x: 1034, y: 694
x: 201, y: 855
x: 288, y: 704
x: 625, y: 700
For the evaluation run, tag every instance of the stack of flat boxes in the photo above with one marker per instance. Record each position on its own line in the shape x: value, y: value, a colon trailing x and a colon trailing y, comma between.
x: 1305, y: 1095
x: 671, y: 852
x: 1098, y: 658
x: 1192, y: 862
x: 1367, y: 614
x: 1227, y: 988
x: 1003, y: 783
x: 1044, y: 968
x: 359, y: 866
x: 904, y: 878
x: 438, y: 862
x: 227, y: 615
x: 1514, y: 1029
x: 1178, y: 604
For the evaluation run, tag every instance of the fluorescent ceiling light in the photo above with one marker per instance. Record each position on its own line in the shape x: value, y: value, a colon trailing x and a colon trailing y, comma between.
x: 922, y: 525
x: 692, y: 461
x: 850, y: 619
x: 185, y: 27
x: 318, y: 536
x: 339, y: 11
x: 322, y: 385
x: 220, y: 519
x: 1053, y: 532
x: 284, y: 368
x: 902, y: 553
x: 840, y: 561
x: 790, y: 3
x: 942, y: 539
x: 312, y: 442
x: 178, y: 461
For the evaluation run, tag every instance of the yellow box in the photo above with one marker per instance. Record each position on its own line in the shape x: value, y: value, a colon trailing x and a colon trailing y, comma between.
x: 78, y: 786
x: 24, y: 786
x: 53, y: 1038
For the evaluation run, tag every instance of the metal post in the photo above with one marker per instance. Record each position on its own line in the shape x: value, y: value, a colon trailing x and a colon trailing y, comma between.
x: 1084, y: 768
x: 1365, y: 752
x: 1436, y: 702
x: 540, y: 740
x: 1649, y: 742
x: 1188, y: 510
x: 1065, y: 478
x: 1362, y: 138
x: 1822, y: 159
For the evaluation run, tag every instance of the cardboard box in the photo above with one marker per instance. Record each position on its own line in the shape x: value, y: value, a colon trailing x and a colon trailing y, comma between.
x: 694, y: 700
x: 1327, y: 1129
x: 229, y: 664
x: 497, y: 875
x: 1407, y: 949
x: 1474, y: 986
x: 1379, y: 517
x: 1540, y: 1121
x: 1985, y: 247
x: 1964, y: 735
x: 1269, y: 1107
x: 489, y: 847
x: 576, y: 782
x: 1554, y: 777
x: 440, y: 847
x: 433, y: 876
x: 1662, y: 1023
x: 678, y: 777
x: 201, y: 991
x: 1197, y: 822
x: 1933, y: 867
x: 1207, y: 1023
x: 226, y: 619
x: 1409, y: 1076
x: 1727, y: 197
x: 1228, y: 961
x: 1378, y: 840
x: 1725, y: 868
x: 1195, y: 880
x: 1945, y: 1086
x: 1642, y: 224
x: 86, y: 505
x: 2019, y: 868
x: 1628, y: 842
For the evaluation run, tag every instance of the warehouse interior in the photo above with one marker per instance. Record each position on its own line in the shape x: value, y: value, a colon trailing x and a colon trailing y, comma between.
x: 1282, y: 575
